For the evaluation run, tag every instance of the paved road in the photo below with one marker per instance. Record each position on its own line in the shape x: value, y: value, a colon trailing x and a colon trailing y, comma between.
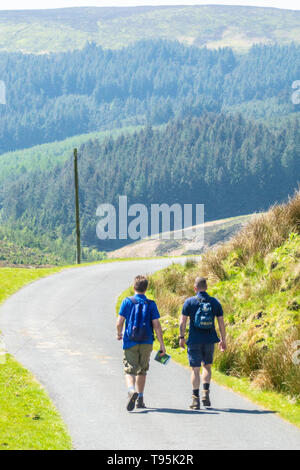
x: 62, y: 329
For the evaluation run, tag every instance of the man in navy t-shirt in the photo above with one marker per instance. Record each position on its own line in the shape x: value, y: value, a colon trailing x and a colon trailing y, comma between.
x: 137, y: 353
x: 202, y: 338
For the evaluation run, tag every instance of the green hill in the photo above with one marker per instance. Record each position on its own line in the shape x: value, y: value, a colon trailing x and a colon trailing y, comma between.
x: 28, y: 418
x: 47, y: 156
x: 53, y: 97
x: 231, y: 165
x: 256, y: 276
x: 12, y: 254
x: 41, y: 31
x: 20, y: 246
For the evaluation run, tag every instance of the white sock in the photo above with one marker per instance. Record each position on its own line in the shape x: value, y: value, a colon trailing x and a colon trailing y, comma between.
x: 131, y: 389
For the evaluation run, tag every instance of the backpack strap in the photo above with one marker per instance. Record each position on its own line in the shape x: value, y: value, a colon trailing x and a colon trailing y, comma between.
x: 134, y: 300
x: 201, y: 301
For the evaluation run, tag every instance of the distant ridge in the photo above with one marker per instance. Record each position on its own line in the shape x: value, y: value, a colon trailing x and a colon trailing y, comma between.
x: 42, y: 31
x: 86, y: 17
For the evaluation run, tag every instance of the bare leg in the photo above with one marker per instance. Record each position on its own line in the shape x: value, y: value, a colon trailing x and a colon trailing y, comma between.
x: 195, y: 379
x: 132, y: 394
x: 206, y: 377
x: 206, y: 374
x: 140, y: 383
x: 130, y: 381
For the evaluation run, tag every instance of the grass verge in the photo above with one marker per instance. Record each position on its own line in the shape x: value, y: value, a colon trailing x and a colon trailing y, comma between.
x: 28, y: 419
x: 272, y: 401
x: 13, y: 279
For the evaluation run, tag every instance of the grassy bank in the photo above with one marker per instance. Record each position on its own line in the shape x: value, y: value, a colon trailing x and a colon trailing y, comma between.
x: 28, y: 419
x: 256, y: 276
x: 13, y: 279
x: 271, y: 400
x: 284, y: 406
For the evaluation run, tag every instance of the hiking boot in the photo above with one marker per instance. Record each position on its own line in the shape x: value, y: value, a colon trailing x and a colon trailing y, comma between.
x: 140, y: 403
x: 132, y: 397
x: 205, y: 399
x: 195, y: 403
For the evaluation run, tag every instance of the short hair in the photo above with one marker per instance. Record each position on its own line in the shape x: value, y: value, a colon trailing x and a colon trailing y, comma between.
x: 201, y: 283
x: 140, y: 284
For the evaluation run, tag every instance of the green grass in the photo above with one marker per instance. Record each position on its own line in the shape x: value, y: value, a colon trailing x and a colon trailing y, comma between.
x: 13, y: 279
x: 19, y: 255
x: 268, y: 285
x: 213, y: 26
x: 272, y: 401
x: 28, y: 419
x: 261, y: 302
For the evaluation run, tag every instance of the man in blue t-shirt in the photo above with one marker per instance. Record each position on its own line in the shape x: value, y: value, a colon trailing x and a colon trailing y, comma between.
x: 137, y: 353
x: 202, y: 338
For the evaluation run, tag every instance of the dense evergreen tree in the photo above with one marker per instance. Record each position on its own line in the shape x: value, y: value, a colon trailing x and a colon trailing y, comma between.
x: 231, y: 165
x: 51, y: 97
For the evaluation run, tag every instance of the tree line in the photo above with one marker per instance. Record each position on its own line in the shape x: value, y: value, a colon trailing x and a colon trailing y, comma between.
x: 51, y: 97
x: 231, y: 165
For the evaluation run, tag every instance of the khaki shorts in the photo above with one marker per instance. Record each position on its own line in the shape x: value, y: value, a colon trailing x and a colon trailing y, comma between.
x: 137, y: 359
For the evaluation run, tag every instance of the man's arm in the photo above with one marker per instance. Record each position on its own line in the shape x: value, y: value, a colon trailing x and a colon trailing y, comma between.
x: 182, y: 328
x: 222, y: 329
x: 159, y: 334
x: 120, y: 326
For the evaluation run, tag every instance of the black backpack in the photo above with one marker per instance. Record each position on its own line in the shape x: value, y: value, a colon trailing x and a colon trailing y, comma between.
x: 204, y: 317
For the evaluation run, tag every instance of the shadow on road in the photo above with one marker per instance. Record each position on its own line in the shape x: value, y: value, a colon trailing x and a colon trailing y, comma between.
x: 175, y: 411
x: 212, y: 411
x: 250, y: 412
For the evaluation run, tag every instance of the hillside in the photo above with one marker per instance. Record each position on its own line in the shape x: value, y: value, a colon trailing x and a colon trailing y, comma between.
x: 43, y: 31
x: 214, y: 232
x: 256, y: 276
x: 28, y: 418
x: 45, y: 157
x: 13, y: 255
x: 231, y: 165
x: 52, y: 97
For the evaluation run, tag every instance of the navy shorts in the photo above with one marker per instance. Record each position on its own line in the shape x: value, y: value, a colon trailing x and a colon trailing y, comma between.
x: 199, y: 354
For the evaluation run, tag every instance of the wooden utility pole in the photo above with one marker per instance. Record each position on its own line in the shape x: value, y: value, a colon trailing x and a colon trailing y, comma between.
x: 78, y: 257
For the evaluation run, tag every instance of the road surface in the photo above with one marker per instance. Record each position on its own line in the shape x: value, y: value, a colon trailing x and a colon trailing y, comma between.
x: 62, y: 328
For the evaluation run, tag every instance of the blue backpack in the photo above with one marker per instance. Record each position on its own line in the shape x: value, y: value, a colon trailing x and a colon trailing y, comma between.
x: 139, y: 324
x: 204, y: 317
